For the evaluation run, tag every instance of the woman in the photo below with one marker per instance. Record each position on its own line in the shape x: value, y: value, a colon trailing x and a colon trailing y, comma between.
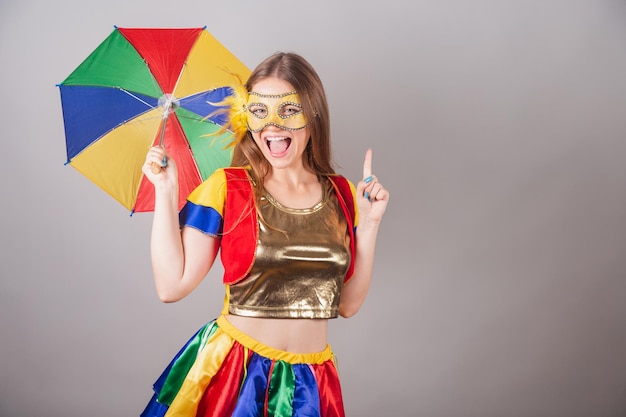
x: 285, y: 225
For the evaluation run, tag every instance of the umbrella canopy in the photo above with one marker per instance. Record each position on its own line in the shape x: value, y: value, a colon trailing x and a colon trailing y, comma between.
x: 141, y: 87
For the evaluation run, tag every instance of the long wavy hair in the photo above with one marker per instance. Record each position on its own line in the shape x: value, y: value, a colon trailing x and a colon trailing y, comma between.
x: 295, y: 70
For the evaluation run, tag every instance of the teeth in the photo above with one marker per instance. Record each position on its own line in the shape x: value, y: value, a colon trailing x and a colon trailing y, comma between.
x: 277, y: 144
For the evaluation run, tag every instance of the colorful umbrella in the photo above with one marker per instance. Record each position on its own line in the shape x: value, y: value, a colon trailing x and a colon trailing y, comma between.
x: 142, y: 87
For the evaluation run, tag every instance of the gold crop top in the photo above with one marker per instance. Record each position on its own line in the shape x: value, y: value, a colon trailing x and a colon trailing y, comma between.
x: 300, y: 262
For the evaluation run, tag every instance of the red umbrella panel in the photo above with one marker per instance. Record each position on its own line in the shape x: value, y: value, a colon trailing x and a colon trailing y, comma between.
x: 141, y: 87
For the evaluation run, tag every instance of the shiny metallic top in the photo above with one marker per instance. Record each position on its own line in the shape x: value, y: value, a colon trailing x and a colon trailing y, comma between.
x: 300, y: 263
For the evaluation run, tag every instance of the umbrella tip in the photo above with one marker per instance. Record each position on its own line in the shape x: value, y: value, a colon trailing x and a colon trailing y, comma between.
x: 67, y: 162
x: 204, y: 27
x: 131, y: 213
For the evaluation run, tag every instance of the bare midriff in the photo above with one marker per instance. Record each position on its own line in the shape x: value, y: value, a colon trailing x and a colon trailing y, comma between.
x: 291, y: 335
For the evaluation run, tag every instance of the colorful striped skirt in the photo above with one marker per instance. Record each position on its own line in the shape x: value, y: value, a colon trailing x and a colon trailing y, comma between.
x: 222, y: 372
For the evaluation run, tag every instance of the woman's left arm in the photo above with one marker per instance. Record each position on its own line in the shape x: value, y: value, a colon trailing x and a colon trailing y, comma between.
x: 372, y: 199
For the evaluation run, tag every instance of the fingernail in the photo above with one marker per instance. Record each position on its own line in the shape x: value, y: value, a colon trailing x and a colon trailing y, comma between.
x: 368, y: 179
x: 366, y: 195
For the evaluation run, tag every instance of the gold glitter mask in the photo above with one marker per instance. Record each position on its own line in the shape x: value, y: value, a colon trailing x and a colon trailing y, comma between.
x: 280, y: 110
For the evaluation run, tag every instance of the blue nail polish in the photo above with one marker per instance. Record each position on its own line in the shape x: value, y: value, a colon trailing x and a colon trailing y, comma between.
x: 366, y: 195
x: 368, y: 179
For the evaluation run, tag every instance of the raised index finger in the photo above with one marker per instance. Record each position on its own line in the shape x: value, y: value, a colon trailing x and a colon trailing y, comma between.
x: 367, y: 164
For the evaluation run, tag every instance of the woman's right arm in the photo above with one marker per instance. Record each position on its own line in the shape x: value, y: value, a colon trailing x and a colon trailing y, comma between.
x: 180, y: 260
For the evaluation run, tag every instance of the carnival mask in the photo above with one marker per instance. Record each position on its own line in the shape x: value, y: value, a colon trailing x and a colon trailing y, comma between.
x: 281, y: 110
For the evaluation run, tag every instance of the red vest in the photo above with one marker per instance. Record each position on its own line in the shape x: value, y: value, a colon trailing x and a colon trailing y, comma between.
x: 241, y: 230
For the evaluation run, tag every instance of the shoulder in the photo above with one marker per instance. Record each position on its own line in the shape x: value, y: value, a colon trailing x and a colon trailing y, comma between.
x: 211, y: 190
x: 343, y: 185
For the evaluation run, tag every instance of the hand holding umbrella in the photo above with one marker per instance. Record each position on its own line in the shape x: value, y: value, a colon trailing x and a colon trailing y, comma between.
x: 154, y: 169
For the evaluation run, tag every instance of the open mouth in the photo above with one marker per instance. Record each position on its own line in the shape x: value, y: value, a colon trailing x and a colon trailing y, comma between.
x: 277, y: 144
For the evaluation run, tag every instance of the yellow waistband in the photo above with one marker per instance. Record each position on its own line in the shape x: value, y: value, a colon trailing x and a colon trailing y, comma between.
x: 271, y: 353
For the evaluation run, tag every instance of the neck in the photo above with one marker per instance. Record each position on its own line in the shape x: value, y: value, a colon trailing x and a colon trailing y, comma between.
x: 291, y: 178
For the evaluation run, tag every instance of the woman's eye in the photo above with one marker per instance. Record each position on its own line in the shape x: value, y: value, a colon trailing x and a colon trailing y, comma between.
x: 289, y: 110
x: 258, y: 111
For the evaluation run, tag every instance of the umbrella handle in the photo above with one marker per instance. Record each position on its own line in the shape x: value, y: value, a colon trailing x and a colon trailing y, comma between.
x: 155, y: 168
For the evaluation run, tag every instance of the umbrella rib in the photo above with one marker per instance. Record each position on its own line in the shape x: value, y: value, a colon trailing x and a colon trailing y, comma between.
x: 180, y: 74
x: 135, y: 97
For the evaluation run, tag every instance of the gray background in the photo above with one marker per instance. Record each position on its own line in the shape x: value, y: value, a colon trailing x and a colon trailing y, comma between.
x: 499, y: 129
